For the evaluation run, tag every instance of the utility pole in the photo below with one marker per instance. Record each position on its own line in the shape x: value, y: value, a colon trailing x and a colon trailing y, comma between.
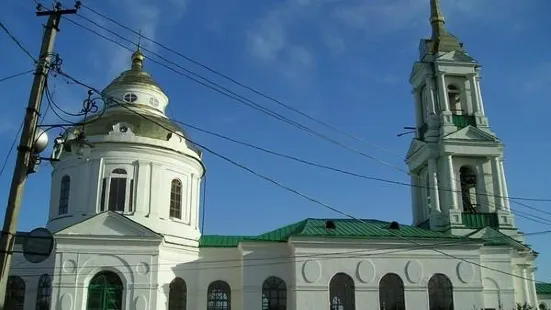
x: 26, y: 144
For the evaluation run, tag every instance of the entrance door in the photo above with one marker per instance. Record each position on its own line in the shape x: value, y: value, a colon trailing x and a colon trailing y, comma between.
x: 105, y: 292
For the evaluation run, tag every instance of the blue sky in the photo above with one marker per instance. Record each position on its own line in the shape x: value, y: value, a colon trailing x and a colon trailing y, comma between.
x: 344, y: 62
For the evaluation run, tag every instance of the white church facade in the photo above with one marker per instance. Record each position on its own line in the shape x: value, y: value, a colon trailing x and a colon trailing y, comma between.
x: 125, y: 217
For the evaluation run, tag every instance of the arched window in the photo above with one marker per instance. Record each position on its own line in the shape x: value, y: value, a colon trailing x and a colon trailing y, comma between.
x: 44, y: 293
x: 176, y: 199
x: 454, y: 99
x: 274, y: 294
x: 105, y: 291
x: 219, y: 296
x: 117, y: 191
x: 64, y: 190
x: 177, y: 296
x: 468, y: 181
x: 15, y: 293
x: 440, y: 293
x: 342, y: 292
x: 391, y: 292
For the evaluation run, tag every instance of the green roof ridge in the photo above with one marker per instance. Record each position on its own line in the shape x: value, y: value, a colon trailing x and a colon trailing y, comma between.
x: 543, y: 288
x: 315, y: 228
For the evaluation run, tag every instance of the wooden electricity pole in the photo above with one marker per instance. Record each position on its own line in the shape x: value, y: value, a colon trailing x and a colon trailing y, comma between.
x: 26, y: 144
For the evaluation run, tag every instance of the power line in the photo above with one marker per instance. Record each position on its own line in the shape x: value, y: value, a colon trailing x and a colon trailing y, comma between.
x: 17, y: 42
x: 290, y: 189
x: 16, y: 75
x: 529, y: 217
x: 310, y: 163
x: 286, y: 259
x: 241, y: 84
x: 10, y: 149
x: 256, y: 106
x: 227, y: 92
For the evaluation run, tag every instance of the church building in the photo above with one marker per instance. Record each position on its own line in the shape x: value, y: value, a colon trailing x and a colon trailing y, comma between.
x: 125, y: 217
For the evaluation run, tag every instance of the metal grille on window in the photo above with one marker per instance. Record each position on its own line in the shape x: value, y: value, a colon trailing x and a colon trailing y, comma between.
x: 65, y: 188
x: 44, y: 293
x: 15, y: 293
x: 130, y: 97
x: 219, y: 296
x: 177, y: 296
x: 117, y: 190
x: 274, y: 294
x: 440, y: 292
x: 176, y: 199
x: 391, y: 292
x: 105, y: 292
x: 342, y: 292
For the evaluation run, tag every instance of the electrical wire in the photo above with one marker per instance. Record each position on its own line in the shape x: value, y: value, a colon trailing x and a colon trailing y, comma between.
x: 254, y: 105
x: 241, y: 84
x: 17, y: 42
x: 294, y: 191
x: 533, y: 218
x: 5, y: 162
x: 287, y: 259
x: 15, y: 75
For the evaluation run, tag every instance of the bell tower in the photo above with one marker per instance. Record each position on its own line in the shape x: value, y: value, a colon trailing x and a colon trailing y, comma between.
x: 455, y: 160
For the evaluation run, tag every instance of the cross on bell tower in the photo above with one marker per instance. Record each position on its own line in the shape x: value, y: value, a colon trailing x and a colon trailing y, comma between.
x: 455, y: 160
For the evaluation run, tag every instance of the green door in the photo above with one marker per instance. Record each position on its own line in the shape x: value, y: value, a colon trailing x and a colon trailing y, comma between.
x: 105, y: 292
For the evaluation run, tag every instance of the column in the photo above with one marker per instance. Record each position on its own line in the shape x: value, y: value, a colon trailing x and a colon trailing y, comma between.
x: 442, y: 91
x: 430, y: 91
x: 453, y: 186
x: 479, y: 93
x: 433, y: 183
x: 418, y: 108
x: 415, y: 190
x: 474, y: 92
x: 504, y: 184
x: 498, y: 189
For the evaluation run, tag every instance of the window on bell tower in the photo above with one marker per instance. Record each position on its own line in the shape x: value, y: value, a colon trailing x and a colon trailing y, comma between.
x: 468, y: 189
x: 176, y: 199
x: 65, y: 189
x: 454, y: 99
x: 117, y: 191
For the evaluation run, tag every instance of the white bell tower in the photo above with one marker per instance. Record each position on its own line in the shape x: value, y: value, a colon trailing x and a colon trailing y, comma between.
x: 455, y: 160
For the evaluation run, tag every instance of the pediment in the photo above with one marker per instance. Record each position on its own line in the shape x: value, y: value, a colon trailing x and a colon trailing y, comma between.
x: 471, y: 133
x: 416, y: 67
x: 494, y: 237
x: 457, y: 56
x: 109, y: 224
x: 414, y: 146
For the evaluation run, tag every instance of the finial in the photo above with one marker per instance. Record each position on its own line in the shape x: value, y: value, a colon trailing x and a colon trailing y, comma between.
x: 137, y: 56
x: 437, y: 19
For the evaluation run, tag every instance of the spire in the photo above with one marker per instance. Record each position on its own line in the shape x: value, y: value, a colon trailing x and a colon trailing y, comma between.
x: 138, y: 57
x: 437, y: 19
x: 443, y: 40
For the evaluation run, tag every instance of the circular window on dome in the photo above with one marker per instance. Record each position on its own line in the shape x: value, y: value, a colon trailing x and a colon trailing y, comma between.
x: 130, y: 97
x: 154, y: 101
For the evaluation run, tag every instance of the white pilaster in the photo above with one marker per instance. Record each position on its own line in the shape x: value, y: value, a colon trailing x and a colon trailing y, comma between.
x: 433, y: 182
x: 430, y: 92
x: 415, y: 194
x: 474, y: 95
x: 479, y: 94
x: 498, y: 191
x: 453, y: 187
x: 442, y: 91
x: 504, y: 184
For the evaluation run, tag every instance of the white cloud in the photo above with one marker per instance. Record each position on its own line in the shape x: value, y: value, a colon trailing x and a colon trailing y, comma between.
x: 538, y: 78
x: 270, y: 40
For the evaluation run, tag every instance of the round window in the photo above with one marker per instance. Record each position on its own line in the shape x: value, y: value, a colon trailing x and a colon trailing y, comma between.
x: 130, y: 97
x: 154, y: 102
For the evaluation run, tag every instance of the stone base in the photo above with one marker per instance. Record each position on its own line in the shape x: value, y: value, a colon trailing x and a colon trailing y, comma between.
x: 506, y: 219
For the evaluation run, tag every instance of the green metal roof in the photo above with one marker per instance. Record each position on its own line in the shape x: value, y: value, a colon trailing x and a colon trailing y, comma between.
x: 543, y: 288
x: 315, y: 228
